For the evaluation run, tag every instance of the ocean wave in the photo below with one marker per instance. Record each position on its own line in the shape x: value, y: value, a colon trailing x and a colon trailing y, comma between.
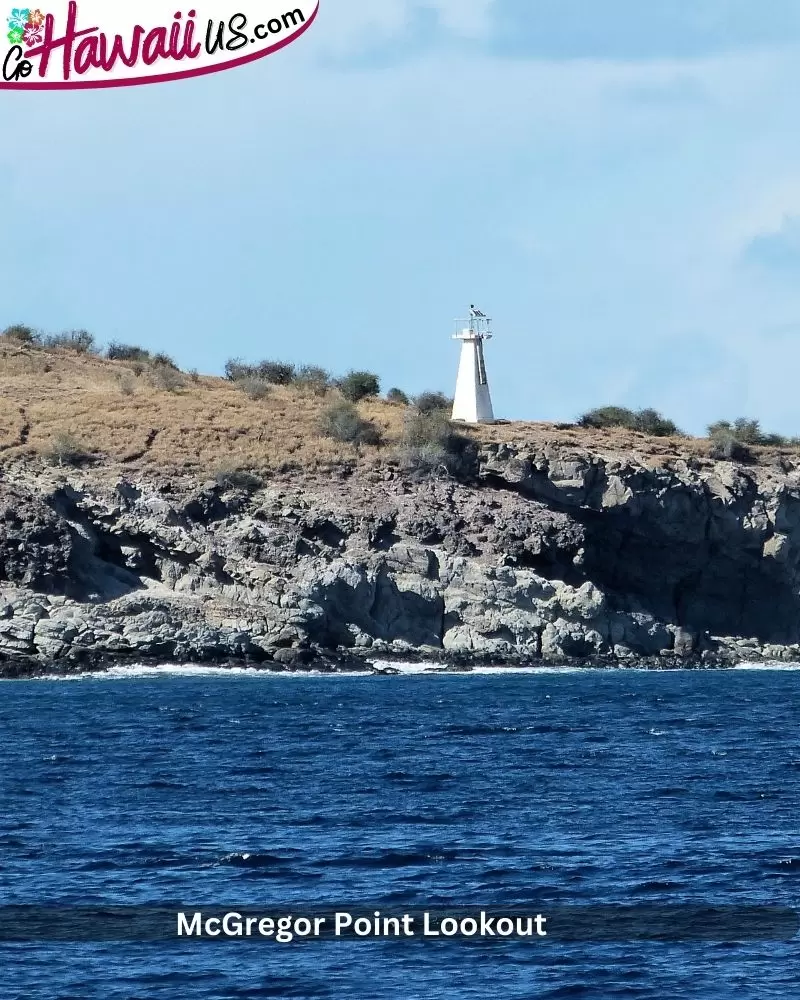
x: 438, y: 668
x: 768, y: 665
x: 142, y: 670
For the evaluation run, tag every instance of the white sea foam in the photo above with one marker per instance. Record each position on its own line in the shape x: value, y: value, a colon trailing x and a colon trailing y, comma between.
x: 141, y: 670
x: 439, y: 668
x: 769, y: 665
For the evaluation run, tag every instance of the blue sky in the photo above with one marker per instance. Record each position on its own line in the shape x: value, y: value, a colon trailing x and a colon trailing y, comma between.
x: 617, y: 183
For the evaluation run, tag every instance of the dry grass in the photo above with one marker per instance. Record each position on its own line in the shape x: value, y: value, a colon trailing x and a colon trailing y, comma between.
x: 202, y: 426
x: 209, y: 423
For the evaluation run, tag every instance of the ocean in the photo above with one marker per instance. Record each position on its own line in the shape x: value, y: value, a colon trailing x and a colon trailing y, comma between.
x: 534, y: 791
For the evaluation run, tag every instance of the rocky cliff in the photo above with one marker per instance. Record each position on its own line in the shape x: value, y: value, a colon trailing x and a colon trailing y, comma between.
x: 552, y: 554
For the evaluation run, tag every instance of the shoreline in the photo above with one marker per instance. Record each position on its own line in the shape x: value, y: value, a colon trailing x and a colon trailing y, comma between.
x: 316, y: 663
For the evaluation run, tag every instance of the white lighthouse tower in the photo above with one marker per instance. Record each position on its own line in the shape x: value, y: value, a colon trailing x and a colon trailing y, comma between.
x: 472, y: 403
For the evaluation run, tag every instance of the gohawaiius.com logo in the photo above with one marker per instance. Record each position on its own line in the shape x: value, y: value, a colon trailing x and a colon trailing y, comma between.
x: 97, y: 43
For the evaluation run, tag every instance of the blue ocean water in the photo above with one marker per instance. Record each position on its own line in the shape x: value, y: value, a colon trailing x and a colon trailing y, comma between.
x: 499, y: 790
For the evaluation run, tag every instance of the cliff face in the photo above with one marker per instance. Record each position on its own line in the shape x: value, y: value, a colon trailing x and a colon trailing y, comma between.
x: 553, y: 554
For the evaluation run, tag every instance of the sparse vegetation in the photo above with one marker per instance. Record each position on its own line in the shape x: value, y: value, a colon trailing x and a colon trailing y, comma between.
x: 429, y: 402
x: 725, y: 445
x: 126, y: 352
x: 253, y: 388
x: 166, y: 377
x: 276, y: 372
x: 731, y: 440
x: 80, y: 341
x: 231, y: 477
x: 397, y: 396
x: 236, y: 369
x: 22, y: 334
x: 130, y: 412
x: 341, y: 421
x: 66, y: 449
x: 317, y: 380
x: 164, y: 361
x: 355, y: 386
x: 273, y: 372
x: 646, y: 421
x: 432, y: 446
x: 127, y: 383
x: 746, y: 431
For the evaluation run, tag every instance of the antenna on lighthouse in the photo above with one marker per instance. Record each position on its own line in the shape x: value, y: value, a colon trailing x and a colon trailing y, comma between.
x: 473, y: 403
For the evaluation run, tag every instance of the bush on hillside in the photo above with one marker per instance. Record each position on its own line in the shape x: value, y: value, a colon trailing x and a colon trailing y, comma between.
x: 317, y: 380
x: 746, y: 431
x: 164, y: 360
x: 646, y: 421
x: 236, y: 369
x: 127, y: 383
x: 432, y: 446
x: 651, y: 422
x: 79, y: 341
x: 274, y: 372
x: 355, y: 386
x: 126, y: 352
x: 22, y: 334
x: 166, y: 377
x: 429, y: 402
x: 341, y: 421
x: 231, y: 477
x: 66, y: 449
x: 397, y: 396
x: 731, y: 439
x: 253, y: 388
x: 725, y: 445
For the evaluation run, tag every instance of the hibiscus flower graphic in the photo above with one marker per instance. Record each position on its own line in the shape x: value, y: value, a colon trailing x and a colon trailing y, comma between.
x: 19, y: 18
x: 15, y: 36
x: 35, y: 18
x: 33, y: 35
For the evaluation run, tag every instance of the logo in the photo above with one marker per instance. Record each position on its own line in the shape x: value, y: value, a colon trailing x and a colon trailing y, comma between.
x: 93, y: 43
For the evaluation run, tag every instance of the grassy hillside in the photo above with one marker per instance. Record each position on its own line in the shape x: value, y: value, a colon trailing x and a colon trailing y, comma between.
x: 121, y: 415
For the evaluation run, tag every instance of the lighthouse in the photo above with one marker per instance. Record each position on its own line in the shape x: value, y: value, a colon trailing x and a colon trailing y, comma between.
x: 472, y: 403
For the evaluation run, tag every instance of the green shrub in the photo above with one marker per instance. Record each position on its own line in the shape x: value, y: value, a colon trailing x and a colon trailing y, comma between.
x: 312, y: 377
x: 730, y: 439
x: 341, y: 421
x: 66, y: 449
x: 22, y: 334
x: 126, y: 352
x: 429, y: 402
x: 608, y: 416
x: 80, y: 341
x: 397, y: 396
x: 646, y: 421
x: 431, y: 446
x: 651, y: 422
x: 276, y: 372
x: 725, y: 445
x: 745, y: 430
x: 355, y: 386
